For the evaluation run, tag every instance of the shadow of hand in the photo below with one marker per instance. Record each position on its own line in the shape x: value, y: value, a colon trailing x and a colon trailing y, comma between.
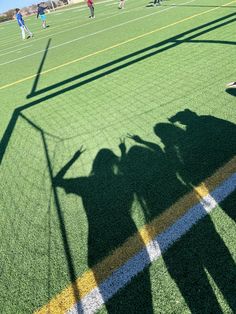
x: 122, y: 146
x: 79, y: 152
x: 135, y: 138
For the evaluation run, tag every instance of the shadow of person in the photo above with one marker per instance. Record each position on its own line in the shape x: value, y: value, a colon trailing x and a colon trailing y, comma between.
x: 197, y: 152
x: 209, y: 143
x: 153, y: 176
x: 107, y: 197
x: 198, y: 262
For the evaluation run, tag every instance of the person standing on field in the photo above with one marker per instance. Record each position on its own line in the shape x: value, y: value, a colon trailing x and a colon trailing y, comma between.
x: 21, y: 23
x: 156, y: 2
x: 121, y: 4
x: 91, y: 8
x: 41, y: 14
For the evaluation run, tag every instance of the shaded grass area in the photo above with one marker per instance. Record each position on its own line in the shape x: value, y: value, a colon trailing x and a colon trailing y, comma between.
x: 51, y: 237
x: 199, y: 264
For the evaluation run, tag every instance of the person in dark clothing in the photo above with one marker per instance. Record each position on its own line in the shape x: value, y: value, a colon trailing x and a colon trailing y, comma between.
x: 91, y: 8
x: 41, y: 14
x: 107, y: 196
x: 156, y: 2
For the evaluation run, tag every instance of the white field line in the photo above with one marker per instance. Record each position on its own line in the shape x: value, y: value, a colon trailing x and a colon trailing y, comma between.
x: 72, y: 21
x: 14, y: 47
x: 81, y: 8
x: 110, y: 4
x: 89, y: 35
x: 14, y: 51
x: 123, y: 275
x: 79, y: 26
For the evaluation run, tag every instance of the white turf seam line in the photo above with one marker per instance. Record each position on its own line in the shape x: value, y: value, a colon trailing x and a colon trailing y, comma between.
x: 101, y: 294
x: 89, y: 35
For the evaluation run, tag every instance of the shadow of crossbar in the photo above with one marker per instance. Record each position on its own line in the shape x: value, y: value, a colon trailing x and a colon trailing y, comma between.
x: 135, y: 57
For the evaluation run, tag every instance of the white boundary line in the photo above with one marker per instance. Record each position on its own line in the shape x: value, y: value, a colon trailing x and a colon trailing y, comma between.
x: 123, y: 275
x: 69, y: 29
x: 73, y: 20
x: 14, y: 51
x: 92, y: 34
x: 78, y: 26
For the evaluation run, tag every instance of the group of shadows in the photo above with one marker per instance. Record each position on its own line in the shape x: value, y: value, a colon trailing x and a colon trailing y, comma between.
x: 194, y: 147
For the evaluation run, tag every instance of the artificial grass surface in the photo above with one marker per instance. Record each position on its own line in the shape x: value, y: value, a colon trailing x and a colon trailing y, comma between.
x: 196, y: 275
x: 94, y: 102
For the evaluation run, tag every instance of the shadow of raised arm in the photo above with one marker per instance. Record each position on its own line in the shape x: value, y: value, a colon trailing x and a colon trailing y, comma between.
x: 59, y: 180
x: 122, y: 147
x: 151, y: 145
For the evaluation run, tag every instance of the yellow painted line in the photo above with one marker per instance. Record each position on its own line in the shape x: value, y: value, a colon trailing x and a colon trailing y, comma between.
x: 87, y: 282
x: 112, y: 47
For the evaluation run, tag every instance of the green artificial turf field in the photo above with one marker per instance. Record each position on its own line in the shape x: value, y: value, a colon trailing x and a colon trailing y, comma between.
x: 141, y: 93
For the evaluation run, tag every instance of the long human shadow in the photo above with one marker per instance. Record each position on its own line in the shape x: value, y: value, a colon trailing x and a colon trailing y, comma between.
x: 156, y: 186
x: 199, y: 255
x: 107, y: 196
x: 228, y: 206
x: 203, y: 145
x: 66, y: 245
x: 161, y: 177
x: 173, y: 42
x: 158, y: 178
x: 154, y: 177
x: 206, y: 144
